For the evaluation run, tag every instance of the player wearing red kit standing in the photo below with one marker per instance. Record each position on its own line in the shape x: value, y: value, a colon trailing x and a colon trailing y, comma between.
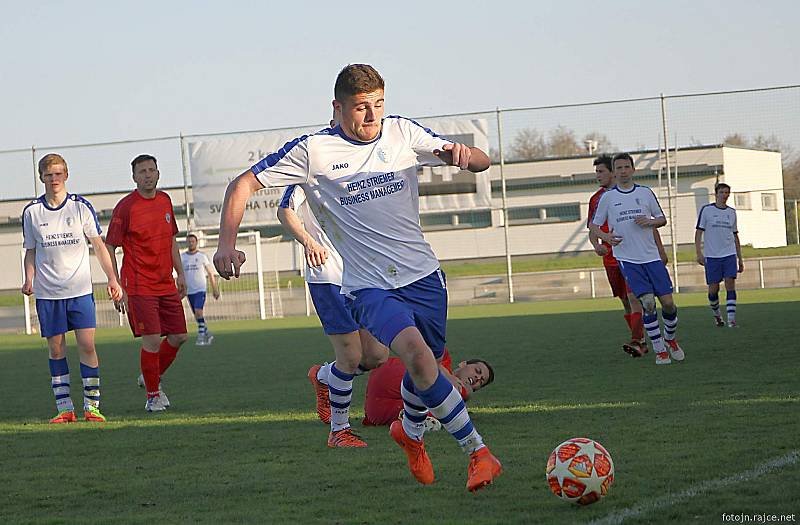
x: 143, y: 223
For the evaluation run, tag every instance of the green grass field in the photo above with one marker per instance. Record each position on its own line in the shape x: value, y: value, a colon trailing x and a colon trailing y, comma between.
x: 241, y: 443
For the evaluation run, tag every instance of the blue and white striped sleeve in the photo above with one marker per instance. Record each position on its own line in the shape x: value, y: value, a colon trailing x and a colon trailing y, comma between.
x: 289, y: 165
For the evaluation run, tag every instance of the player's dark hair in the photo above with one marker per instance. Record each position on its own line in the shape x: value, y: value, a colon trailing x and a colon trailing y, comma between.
x: 191, y: 235
x: 623, y: 156
x: 721, y: 186
x: 488, y: 367
x: 605, y: 160
x: 355, y: 79
x: 142, y: 158
x: 49, y: 160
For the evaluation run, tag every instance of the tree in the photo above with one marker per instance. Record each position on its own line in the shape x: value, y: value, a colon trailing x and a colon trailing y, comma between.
x: 562, y: 143
x: 529, y: 144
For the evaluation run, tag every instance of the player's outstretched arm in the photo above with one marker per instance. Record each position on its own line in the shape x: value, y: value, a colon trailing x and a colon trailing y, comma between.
x: 228, y: 260
x: 30, y: 270
x: 463, y: 156
x: 315, y: 253
x: 101, y: 252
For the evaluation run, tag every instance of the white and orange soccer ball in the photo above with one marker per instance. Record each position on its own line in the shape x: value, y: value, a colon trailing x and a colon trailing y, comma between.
x: 580, y: 470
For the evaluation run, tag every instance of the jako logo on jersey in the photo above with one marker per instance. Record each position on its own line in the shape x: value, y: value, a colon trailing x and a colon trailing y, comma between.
x: 617, y: 204
x: 340, y: 166
x: 383, y: 155
x: 167, y: 217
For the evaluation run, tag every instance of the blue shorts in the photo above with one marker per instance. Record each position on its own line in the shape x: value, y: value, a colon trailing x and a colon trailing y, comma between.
x: 385, y: 313
x: 719, y: 268
x: 197, y: 300
x: 331, y: 310
x: 646, y: 278
x: 59, y: 316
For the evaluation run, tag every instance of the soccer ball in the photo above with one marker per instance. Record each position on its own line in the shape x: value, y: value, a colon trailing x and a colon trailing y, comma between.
x: 580, y: 470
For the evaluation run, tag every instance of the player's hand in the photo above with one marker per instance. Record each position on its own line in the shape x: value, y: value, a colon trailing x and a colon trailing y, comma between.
x: 216, y: 294
x: 122, y: 303
x: 613, y: 240
x: 741, y: 265
x: 316, y: 254
x: 701, y: 260
x: 114, y: 290
x: 455, y: 155
x: 601, y: 250
x: 27, y: 288
x: 229, y: 262
x: 180, y: 282
x: 643, y: 221
x: 664, y: 258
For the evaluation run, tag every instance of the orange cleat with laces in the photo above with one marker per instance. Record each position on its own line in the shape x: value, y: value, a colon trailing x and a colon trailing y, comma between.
x: 483, y: 468
x: 345, y: 439
x: 418, y: 461
x: 321, y: 391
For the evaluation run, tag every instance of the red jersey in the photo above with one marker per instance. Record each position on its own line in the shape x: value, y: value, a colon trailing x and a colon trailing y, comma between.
x: 608, y: 259
x: 145, y: 229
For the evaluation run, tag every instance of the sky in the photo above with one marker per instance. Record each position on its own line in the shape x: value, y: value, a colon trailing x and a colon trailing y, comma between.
x: 78, y: 72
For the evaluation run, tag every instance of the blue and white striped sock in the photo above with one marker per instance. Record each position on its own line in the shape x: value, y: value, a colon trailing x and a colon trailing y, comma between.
x: 730, y: 296
x: 653, y: 331
x: 91, y: 386
x: 202, y: 328
x: 446, y: 405
x: 340, y: 391
x: 670, y: 324
x: 713, y: 302
x: 59, y: 379
x: 414, y: 409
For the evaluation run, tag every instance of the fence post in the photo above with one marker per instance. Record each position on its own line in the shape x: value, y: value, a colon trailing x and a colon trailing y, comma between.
x: 260, y: 269
x: 35, y: 173
x: 761, y: 272
x: 185, y: 184
x: 669, y: 196
x: 796, y: 223
x: 509, y: 274
x: 591, y: 284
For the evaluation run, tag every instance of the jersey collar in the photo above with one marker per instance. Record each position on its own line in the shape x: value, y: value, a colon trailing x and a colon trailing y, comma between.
x: 43, y: 199
x: 338, y: 131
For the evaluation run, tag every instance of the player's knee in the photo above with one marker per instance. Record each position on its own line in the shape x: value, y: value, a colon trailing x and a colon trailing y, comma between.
x: 648, y: 301
x: 177, y: 339
x: 372, y: 360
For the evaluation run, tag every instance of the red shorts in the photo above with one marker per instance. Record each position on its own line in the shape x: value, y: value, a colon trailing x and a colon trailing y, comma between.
x: 156, y: 314
x: 619, y: 286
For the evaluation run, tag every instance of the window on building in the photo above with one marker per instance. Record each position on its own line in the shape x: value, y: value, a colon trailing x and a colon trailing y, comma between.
x: 455, y: 220
x: 769, y: 201
x: 544, y: 214
x: 741, y: 201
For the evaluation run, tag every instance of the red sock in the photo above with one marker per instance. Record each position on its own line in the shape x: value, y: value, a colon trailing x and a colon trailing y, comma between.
x: 628, y: 320
x: 149, y: 363
x: 637, y: 326
x: 166, y: 355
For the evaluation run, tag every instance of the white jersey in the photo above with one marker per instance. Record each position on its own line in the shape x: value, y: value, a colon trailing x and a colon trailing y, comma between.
x: 365, y: 197
x: 194, y: 267
x: 331, y: 272
x: 719, y: 227
x: 620, y: 208
x: 62, y: 254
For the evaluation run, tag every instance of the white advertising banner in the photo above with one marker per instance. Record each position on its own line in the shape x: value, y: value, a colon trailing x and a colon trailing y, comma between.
x: 214, y: 162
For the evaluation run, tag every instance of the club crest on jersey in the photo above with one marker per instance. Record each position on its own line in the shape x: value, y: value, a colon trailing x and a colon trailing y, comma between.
x: 70, y: 220
x: 168, y: 217
x: 637, y: 201
x: 384, y: 155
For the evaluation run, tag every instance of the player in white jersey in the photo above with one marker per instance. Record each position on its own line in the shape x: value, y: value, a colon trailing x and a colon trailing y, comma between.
x: 720, y: 252
x: 55, y: 228
x: 355, y: 349
x: 360, y: 179
x: 632, y: 211
x: 196, y: 267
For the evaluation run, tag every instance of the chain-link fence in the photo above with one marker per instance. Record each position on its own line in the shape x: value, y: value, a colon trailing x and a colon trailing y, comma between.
x: 534, y: 198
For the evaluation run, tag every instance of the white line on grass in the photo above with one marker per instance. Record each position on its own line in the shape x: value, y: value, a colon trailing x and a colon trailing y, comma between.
x: 700, y: 488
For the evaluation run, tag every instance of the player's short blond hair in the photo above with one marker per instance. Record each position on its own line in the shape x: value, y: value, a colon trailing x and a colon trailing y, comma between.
x: 355, y: 79
x: 51, y: 159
